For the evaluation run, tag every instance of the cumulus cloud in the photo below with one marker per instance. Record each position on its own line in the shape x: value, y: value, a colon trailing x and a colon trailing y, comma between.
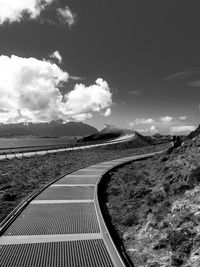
x: 29, y: 90
x: 107, y: 112
x: 83, y: 99
x: 56, y: 55
x: 166, y: 119
x: 185, y: 128
x: 66, y: 16
x: 14, y: 10
x: 150, y: 130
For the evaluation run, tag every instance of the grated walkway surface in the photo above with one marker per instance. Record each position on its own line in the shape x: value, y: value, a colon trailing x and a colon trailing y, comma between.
x: 63, y: 226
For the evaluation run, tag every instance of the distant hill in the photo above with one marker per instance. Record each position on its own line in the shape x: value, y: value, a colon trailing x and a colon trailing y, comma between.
x: 109, y: 132
x: 115, y: 130
x: 49, y: 129
x: 99, y: 137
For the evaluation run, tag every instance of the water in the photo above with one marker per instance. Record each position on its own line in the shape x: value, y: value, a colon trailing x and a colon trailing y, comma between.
x: 33, y: 141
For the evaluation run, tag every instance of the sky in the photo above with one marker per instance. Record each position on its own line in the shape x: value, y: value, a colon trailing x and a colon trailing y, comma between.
x: 133, y: 63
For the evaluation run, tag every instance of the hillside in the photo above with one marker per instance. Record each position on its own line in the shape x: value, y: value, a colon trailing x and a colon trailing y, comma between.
x: 115, y: 130
x: 112, y: 132
x: 53, y: 128
x: 155, y: 207
x: 109, y: 132
x: 194, y: 133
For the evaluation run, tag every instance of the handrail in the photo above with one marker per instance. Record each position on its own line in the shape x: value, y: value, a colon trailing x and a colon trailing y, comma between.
x: 10, y: 150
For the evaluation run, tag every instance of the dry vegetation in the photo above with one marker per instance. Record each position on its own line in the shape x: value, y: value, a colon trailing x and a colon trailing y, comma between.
x: 21, y: 177
x: 155, y: 207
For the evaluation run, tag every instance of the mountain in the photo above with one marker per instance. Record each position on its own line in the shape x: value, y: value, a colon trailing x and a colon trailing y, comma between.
x: 49, y: 129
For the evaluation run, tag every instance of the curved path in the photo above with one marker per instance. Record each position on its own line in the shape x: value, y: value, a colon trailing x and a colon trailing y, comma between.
x: 63, y: 225
x: 121, y: 139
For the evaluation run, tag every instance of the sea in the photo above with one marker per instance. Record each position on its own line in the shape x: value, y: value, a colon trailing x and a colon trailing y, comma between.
x: 33, y: 141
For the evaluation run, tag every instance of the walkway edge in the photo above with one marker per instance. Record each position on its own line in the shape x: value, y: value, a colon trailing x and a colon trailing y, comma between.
x: 122, y: 259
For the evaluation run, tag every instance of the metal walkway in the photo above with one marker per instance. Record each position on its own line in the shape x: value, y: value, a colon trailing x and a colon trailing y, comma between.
x: 63, y: 226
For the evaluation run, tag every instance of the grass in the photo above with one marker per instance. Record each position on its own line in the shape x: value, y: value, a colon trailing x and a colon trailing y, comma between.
x: 154, y: 206
x: 21, y: 177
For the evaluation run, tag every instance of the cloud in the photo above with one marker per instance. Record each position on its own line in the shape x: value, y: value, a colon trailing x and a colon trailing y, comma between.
x: 166, y: 119
x: 17, y: 10
x: 66, y: 16
x: 194, y: 84
x: 107, y: 112
x: 185, y: 128
x: 141, y: 121
x: 132, y: 92
x: 182, y: 118
x: 142, y: 130
x: 83, y: 99
x: 150, y: 130
x: 29, y: 90
x: 56, y: 55
x: 153, y: 129
x: 181, y: 75
x: 14, y: 10
x: 76, y: 78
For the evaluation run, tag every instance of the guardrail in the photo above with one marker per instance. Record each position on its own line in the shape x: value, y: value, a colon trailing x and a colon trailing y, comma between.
x: 24, y: 149
x: 59, y: 147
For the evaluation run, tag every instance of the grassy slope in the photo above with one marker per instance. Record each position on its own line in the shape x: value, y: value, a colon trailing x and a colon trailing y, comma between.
x: 21, y: 177
x: 155, y: 207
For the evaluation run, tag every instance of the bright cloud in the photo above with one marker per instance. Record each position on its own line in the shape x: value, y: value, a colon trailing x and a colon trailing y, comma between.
x: 166, y: 119
x: 13, y: 10
x: 184, y: 128
x: 66, y: 16
x: 107, y: 112
x: 56, y: 55
x: 83, y: 99
x: 29, y: 90
x: 153, y: 129
x: 150, y: 130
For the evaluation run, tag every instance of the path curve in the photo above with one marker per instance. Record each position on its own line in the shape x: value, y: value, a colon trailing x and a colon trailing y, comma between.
x: 63, y: 225
x: 121, y: 139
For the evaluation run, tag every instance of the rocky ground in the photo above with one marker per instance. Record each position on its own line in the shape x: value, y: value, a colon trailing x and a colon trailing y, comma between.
x: 155, y: 207
x: 21, y: 177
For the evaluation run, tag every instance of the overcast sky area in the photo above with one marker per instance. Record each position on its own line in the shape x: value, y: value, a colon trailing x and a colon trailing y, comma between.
x: 133, y: 63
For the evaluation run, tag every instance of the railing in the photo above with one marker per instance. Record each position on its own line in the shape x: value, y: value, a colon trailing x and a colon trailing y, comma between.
x: 46, y: 148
